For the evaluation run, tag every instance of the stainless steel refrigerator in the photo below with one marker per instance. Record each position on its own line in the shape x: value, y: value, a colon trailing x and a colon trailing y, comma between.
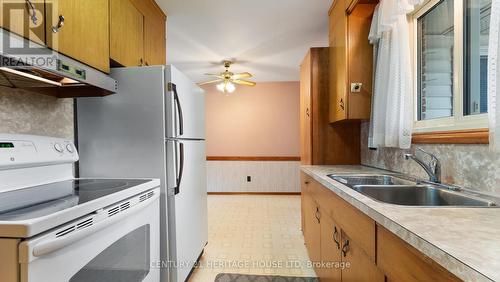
x: 153, y: 127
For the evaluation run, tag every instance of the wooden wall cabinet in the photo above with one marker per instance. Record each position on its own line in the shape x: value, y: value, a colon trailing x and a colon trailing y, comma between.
x: 127, y: 34
x: 321, y: 142
x: 155, y: 40
x: 15, y: 16
x: 138, y: 33
x: 351, y: 58
x: 336, y: 231
x: 83, y: 33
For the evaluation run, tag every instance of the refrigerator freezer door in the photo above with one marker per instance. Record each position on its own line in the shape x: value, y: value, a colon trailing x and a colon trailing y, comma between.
x: 190, y: 204
x: 184, y: 108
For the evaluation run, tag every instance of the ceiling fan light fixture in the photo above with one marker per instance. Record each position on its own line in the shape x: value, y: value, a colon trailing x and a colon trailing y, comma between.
x: 226, y: 87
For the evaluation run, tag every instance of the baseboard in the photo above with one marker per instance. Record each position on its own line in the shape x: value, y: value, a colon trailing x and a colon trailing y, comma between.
x: 255, y: 193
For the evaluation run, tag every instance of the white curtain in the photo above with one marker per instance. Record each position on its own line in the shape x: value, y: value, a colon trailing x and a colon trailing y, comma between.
x: 494, y: 76
x: 392, y: 103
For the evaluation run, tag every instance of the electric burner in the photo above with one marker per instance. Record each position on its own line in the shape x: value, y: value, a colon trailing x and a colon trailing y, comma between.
x: 38, y: 201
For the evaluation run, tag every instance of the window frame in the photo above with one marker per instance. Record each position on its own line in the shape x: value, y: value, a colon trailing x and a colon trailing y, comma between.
x: 459, y: 121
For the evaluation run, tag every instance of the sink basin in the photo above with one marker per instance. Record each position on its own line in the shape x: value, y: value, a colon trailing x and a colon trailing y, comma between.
x: 400, y: 191
x: 352, y: 180
x: 420, y: 195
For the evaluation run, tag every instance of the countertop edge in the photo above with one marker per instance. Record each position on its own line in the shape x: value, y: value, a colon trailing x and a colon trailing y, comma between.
x: 446, y: 260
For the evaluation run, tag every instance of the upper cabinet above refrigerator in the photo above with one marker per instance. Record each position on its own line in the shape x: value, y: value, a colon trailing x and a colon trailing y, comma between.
x: 138, y: 33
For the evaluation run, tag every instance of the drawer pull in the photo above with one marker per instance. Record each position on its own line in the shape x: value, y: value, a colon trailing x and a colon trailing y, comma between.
x: 345, y: 248
x: 335, y: 237
x: 318, y: 215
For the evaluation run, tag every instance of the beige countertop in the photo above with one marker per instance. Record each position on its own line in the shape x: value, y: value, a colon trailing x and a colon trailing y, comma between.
x: 465, y: 241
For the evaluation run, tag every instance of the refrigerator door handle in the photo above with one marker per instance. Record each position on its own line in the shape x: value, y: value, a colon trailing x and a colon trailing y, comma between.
x: 181, y: 168
x: 173, y: 87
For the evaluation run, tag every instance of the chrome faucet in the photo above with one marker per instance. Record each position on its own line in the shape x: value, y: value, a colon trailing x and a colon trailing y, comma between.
x: 433, y: 167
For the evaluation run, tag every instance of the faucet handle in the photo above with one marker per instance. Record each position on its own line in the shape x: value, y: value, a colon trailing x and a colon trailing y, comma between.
x: 434, y: 162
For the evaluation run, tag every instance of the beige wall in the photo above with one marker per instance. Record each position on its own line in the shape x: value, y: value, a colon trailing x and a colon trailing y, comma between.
x: 253, y: 121
x: 27, y: 113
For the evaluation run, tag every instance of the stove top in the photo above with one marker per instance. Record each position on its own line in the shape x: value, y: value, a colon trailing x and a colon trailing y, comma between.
x: 42, y: 200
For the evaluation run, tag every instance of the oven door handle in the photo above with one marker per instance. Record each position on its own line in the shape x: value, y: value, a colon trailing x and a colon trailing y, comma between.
x: 53, y: 244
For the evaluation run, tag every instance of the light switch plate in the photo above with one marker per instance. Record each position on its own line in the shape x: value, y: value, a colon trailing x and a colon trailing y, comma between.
x: 356, y: 87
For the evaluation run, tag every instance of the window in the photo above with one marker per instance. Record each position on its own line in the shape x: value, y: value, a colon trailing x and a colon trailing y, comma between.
x: 451, y: 57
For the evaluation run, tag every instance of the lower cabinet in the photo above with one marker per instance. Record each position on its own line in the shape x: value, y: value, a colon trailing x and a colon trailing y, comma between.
x: 312, y: 228
x: 330, y: 238
x: 361, y: 268
x: 347, y: 245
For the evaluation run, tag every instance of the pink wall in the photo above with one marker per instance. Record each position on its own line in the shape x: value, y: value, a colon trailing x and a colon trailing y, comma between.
x: 253, y: 121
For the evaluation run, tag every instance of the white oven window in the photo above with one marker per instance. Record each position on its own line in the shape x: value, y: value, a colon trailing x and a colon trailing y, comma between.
x: 126, y: 260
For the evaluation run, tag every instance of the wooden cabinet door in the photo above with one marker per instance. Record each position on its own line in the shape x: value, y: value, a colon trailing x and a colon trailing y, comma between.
x: 330, y: 250
x: 360, y: 61
x: 338, y: 62
x: 155, y: 41
x: 16, y: 16
x: 362, y: 268
x: 304, y: 192
x: 402, y: 262
x: 84, y: 35
x: 312, y: 228
x: 305, y: 111
x: 127, y: 33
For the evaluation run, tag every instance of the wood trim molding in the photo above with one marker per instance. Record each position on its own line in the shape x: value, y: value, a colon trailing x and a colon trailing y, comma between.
x: 256, y: 193
x: 472, y: 136
x: 252, y: 159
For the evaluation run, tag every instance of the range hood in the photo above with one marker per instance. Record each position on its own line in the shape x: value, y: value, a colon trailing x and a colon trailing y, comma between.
x: 44, y: 71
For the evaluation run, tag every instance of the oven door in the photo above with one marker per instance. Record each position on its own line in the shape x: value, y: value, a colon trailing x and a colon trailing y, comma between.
x: 118, y: 243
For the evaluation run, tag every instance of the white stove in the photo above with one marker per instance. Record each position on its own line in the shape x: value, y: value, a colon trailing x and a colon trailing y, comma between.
x: 54, y: 227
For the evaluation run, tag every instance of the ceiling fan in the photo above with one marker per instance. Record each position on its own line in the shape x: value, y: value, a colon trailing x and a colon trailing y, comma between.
x: 226, y: 80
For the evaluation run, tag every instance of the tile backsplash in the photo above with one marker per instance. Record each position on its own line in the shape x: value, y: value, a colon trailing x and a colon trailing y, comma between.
x: 24, y: 112
x: 470, y: 166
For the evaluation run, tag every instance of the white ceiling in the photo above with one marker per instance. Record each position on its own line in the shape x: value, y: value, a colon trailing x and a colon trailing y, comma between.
x: 268, y: 38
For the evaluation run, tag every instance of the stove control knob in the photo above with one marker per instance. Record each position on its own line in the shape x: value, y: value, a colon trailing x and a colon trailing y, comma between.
x: 58, y: 148
x: 70, y: 149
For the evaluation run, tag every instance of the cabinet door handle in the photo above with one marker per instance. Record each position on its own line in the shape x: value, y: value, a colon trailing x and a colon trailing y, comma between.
x: 318, y: 215
x: 345, y: 248
x: 32, y: 11
x: 341, y: 103
x: 307, y: 112
x: 60, y: 24
x: 306, y: 182
x: 335, y: 237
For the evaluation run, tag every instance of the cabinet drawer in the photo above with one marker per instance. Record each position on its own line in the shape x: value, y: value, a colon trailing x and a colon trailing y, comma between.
x: 402, y: 262
x: 360, y: 227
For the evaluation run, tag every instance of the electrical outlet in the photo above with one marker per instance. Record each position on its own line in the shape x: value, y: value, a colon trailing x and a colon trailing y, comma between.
x: 249, y: 179
x: 356, y: 87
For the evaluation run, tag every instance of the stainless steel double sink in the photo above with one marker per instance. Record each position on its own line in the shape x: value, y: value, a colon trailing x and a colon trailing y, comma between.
x: 407, y: 192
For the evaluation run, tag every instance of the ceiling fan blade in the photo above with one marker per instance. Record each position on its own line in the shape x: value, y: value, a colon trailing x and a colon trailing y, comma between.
x: 242, y: 75
x: 210, y: 81
x: 244, y: 82
x: 218, y: 75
